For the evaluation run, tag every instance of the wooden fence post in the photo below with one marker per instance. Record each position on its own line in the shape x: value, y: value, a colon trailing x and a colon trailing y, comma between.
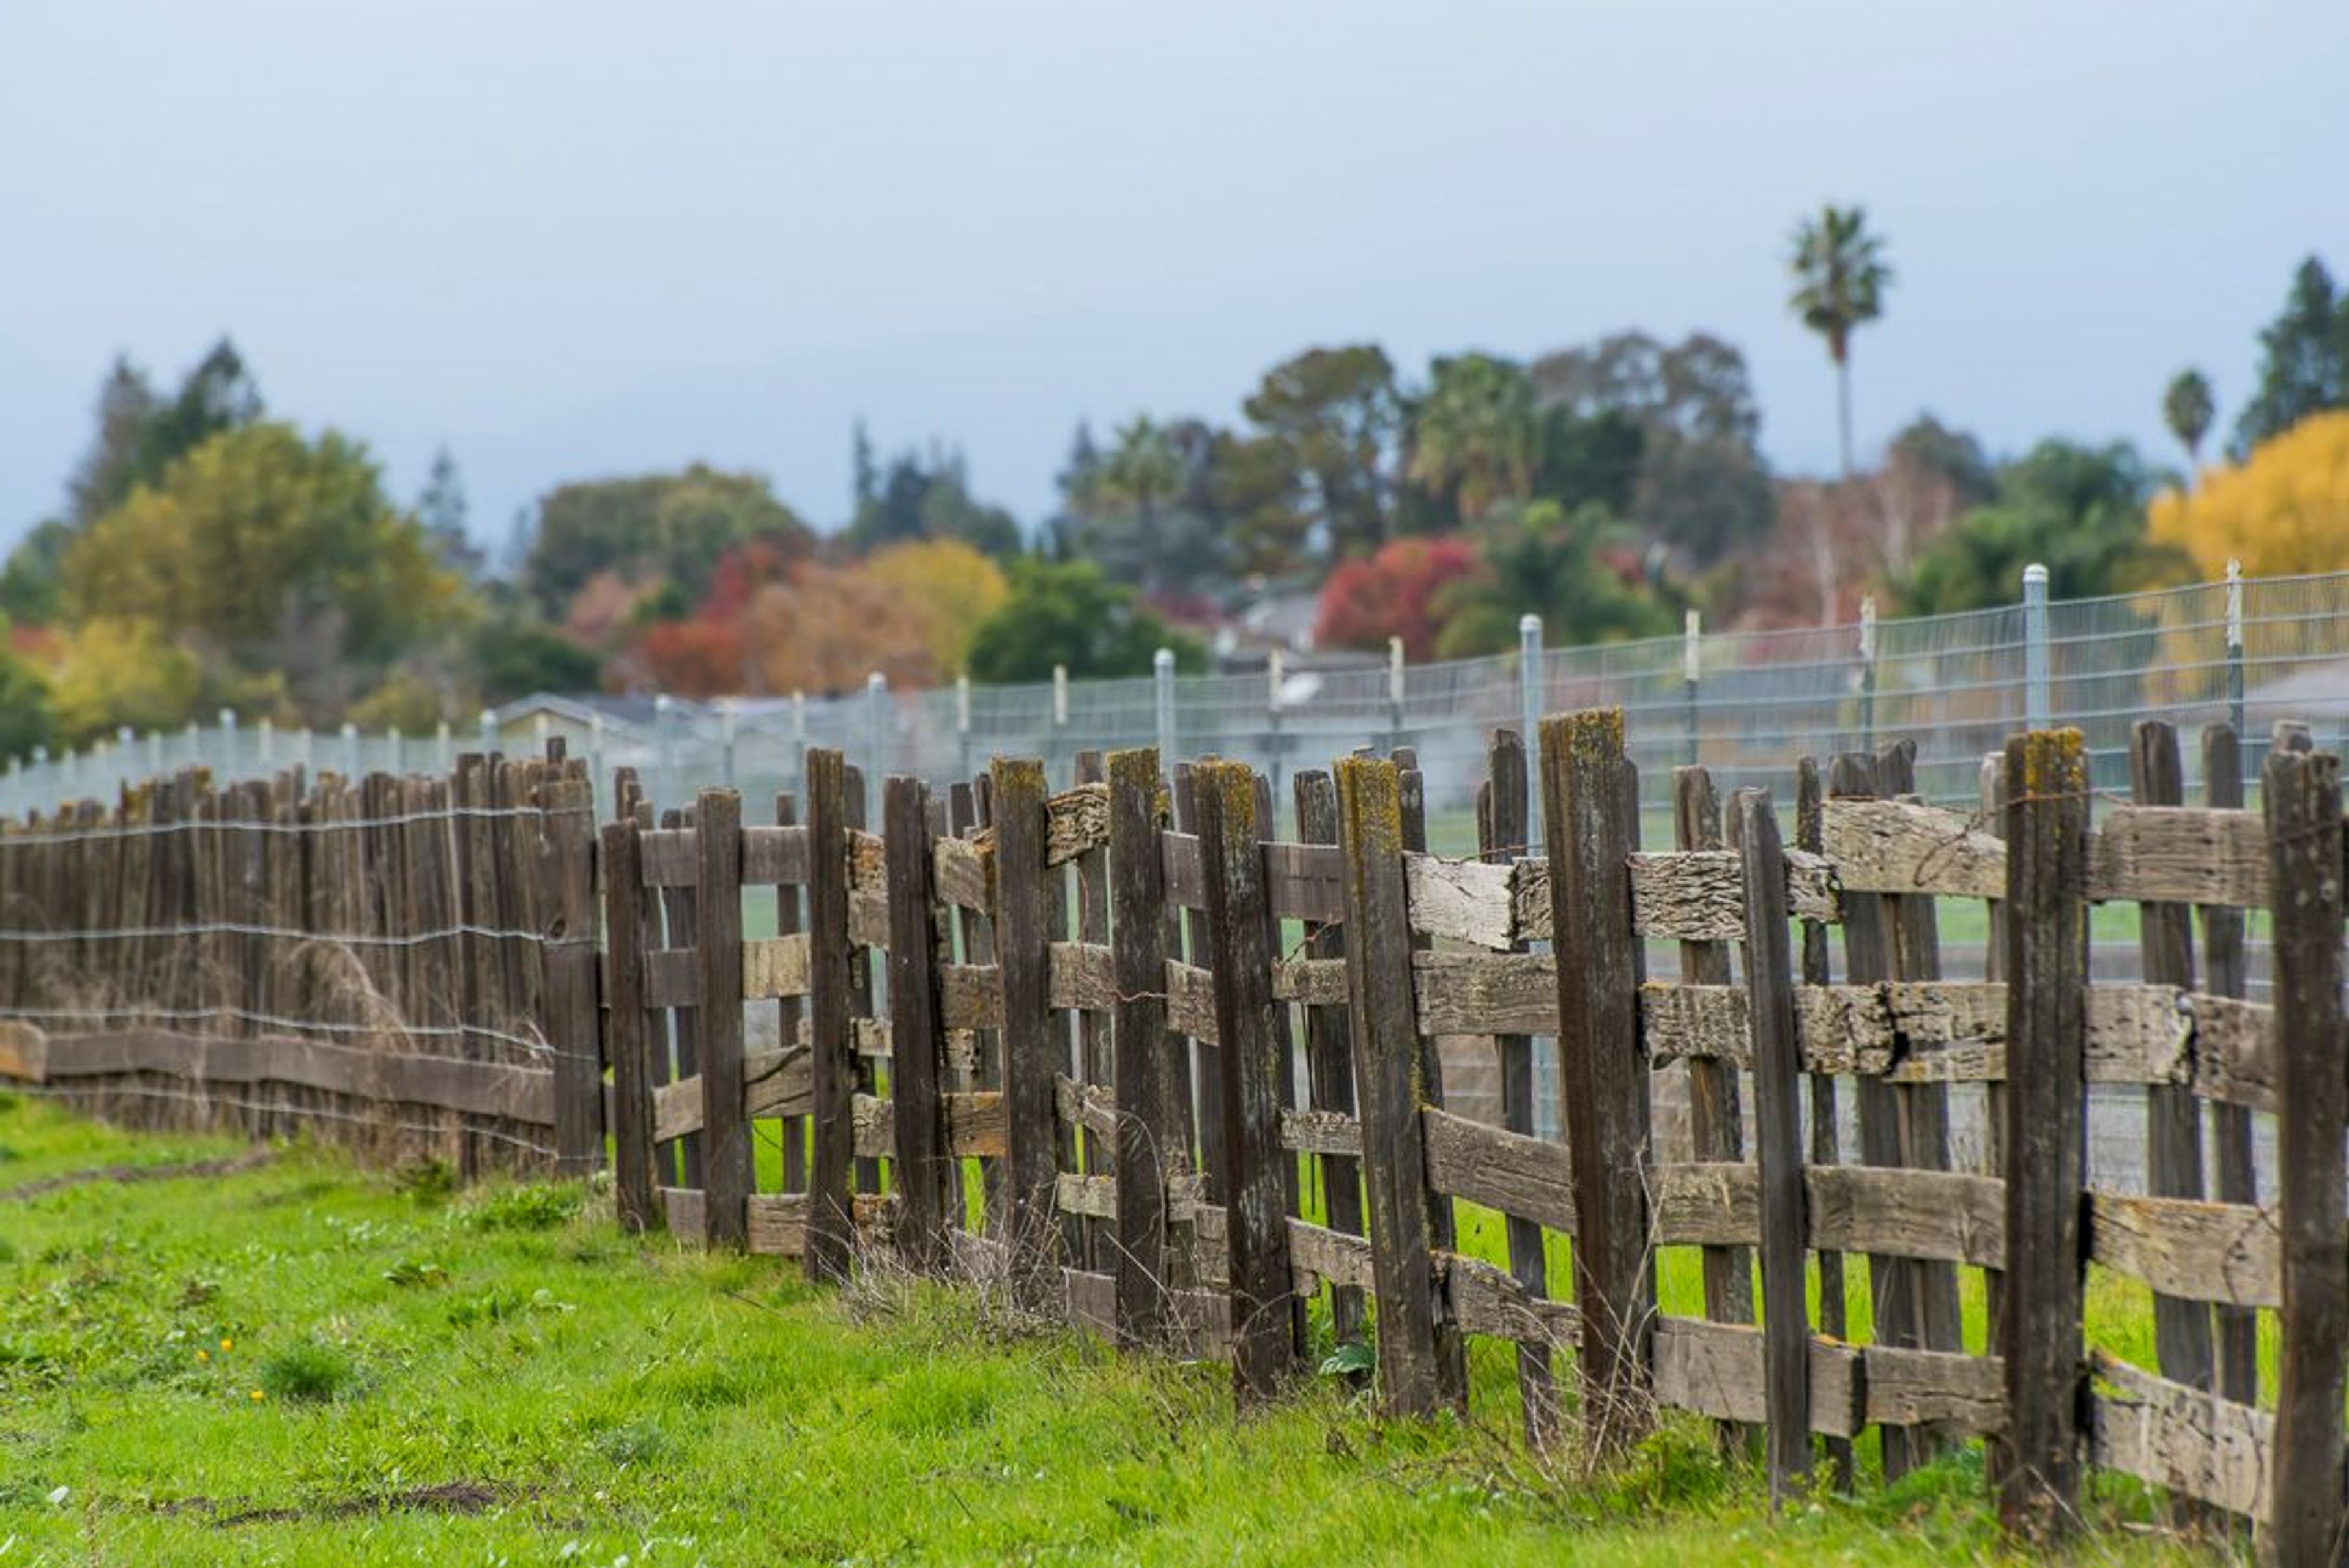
x: 2046, y: 1129
x: 2301, y: 798
x: 1826, y: 1136
x: 1778, y: 1142
x: 832, y: 1060
x: 1329, y: 1056
x: 627, y: 1039
x: 1149, y: 1137
x: 718, y: 981
x: 1022, y: 933
x: 916, y: 1038
x: 1421, y: 1365
x: 2173, y: 1111
x: 567, y: 909
x: 1249, y: 1062
x: 1603, y: 1070
x: 2226, y: 974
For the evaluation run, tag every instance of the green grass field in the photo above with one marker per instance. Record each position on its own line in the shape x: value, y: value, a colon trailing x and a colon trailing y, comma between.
x: 304, y: 1363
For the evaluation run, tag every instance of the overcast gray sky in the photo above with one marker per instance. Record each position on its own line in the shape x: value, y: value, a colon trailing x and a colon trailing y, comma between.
x: 573, y: 237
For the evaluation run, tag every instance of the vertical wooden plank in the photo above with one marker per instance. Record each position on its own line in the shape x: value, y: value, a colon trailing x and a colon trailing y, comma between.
x: 1603, y: 1069
x: 1330, y: 1057
x: 1502, y: 823
x: 917, y: 1043
x: 1826, y: 1143
x: 1150, y: 1147
x: 2173, y: 1111
x: 1250, y: 1061
x: 1203, y: 1073
x: 1922, y: 1111
x: 1867, y: 959
x: 627, y: 1037
x: 832, y: 1059
x: 860, y: 982
x: 790, y: 1011
x: 2301, y: 802
x: 681, y: 911
x: 718, y: 980
x: 1778, y: 1143
x: 2227, y: 974
x: 2047, y: 1130
x: 1421, y: 1363
x: 1090, y: 876
x: 1023, y: 911
x: 567, y: 913
x: 1716, y: 1125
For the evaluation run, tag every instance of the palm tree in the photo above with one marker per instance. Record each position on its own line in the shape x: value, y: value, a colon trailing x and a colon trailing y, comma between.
x: 1473, y: 433
x: 1144, y: 472
x: 2188, y: 409
x: 1840, y: 276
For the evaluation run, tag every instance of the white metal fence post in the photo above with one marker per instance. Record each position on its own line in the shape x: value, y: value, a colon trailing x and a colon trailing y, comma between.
x: 2038, y: 706
x: 2237, y: 703
x: 1529, y: 713
x: 1162, y: 668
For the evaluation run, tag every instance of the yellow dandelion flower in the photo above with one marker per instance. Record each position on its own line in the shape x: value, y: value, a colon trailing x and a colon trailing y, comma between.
x: 228, y: 1344
x: 258, y: 1394
x: 204, y: 1355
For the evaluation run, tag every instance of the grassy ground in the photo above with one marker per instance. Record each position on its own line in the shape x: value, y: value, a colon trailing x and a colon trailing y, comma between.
x: 300, y: 1363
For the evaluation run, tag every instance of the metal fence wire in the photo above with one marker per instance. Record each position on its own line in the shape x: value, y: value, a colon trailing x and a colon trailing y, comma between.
x: 2247, y: 651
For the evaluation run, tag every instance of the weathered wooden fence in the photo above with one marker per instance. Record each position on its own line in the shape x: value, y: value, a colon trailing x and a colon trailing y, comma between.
x: 407, y: 964
x: 1121, y: 1052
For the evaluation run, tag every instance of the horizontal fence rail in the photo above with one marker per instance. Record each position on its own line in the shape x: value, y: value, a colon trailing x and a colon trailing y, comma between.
x: 1128, y: 1055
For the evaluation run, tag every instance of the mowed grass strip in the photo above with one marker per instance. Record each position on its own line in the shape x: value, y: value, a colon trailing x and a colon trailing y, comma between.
x: 303, y: 1362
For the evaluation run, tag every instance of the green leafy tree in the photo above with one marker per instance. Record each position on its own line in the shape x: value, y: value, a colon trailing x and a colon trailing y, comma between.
x: 515, y: 656
x: 1143, y: 476
x: 650, y: 527
x: 2078, y: 510
x: 1336, y: 411
x: 918, y: 499
x: 2187, y: 409
x: 1840, y: 276
x: 1066, y: 613
x: 31, y: 585
x: 1472, y: 433
x: 274, y: 553
x: 2303, y: 360
x: 1697, y: 477
x: 126, y: 405
x: 441, y: 510
x: 1262, y: 500
x: 1542, y: 559
x: 26, y: 716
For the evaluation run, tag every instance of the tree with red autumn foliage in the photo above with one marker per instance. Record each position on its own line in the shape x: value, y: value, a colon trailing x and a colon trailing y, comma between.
x: 1393, y: 594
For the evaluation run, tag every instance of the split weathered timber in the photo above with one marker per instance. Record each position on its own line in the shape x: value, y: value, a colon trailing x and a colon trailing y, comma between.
x: 2301, y: 798
x: 1421, y: 1363
x: 2046, y: 1131
x: 2226, y: 976
x: 1716, y: 1124
x: 627, y: 1038
x: 917, y: 1041
x: 718, y: 972
x: 832, y: 1063
x: 1809, y: 810
x: 1777, y: 1140
x: 1254, y: 1187
x: 1149, y: 1139
x: 1023, y: 932
x: 2183, y: 1342
x: 1329, y: 1061
x: 1603, y: 1074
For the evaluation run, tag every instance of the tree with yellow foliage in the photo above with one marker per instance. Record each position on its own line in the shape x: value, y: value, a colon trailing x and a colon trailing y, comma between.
x: 2283, y: 509
x: 953, y: 585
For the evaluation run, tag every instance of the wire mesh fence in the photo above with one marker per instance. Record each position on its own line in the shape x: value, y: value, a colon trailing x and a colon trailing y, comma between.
x: 2249, y: 652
